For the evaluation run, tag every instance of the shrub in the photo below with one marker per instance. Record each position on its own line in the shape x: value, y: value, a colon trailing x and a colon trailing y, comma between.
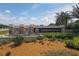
x: 40, y: 37
x: 71, y: 35
x: 49, y: 35
x: 66, y: 35
x: 18, y: 40
x: 74, y: 43
x: 32, y: 39
x: 53, y: 35
x: 59, y: 36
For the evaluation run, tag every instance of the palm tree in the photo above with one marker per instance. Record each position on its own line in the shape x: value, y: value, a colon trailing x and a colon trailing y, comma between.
x: 75, y: 12
x: 62, y: 18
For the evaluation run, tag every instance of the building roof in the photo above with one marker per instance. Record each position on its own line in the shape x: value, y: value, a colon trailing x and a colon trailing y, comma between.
x: 61, y: 26
x: 35, y: 26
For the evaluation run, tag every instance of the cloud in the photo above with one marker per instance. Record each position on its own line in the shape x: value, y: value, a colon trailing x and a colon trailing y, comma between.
x: 35, y: 6
x: 49, y: 17
x: 7, y: 11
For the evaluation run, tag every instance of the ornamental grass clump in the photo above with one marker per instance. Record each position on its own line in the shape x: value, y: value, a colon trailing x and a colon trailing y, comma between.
x: 18, y: 40
x: 74, y: 43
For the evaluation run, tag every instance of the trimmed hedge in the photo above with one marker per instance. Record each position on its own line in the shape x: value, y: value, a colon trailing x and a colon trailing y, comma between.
x: 60, y: 36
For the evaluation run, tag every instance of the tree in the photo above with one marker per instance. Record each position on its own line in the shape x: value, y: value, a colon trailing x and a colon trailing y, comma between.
x: 3, y: 26
x: 75, y: 12
x: 70, y: 25
x: 51, y: 24
x: 41, y: 25
x: 62, y: 18
x: 76, y: 29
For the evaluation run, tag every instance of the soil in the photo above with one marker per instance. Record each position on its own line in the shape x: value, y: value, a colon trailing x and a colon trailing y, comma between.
x: 34, y: 48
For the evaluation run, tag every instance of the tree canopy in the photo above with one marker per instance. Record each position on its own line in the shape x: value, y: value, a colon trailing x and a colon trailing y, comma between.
x: 62, y: 18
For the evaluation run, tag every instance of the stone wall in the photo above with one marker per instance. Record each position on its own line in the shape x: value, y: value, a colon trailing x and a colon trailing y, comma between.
x: 18, y: 30
x: 28, y: 30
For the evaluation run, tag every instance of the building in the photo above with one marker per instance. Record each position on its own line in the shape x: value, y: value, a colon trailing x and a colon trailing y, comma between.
x: 41, y: 29
x: 33, y: 29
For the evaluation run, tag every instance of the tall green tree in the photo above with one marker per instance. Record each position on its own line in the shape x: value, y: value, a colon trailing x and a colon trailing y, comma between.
x: 62, y: 18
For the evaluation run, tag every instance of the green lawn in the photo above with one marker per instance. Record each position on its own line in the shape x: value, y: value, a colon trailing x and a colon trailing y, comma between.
x: 3, y: 32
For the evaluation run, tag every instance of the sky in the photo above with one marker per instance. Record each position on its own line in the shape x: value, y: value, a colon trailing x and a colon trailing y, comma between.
x: 31, y: 13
